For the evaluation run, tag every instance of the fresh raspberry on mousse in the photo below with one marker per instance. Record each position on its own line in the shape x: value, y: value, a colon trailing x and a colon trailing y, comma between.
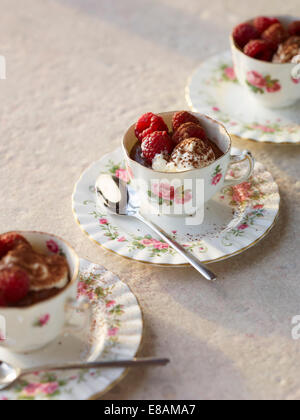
x: 187, y: 131
x: 294, y: 28
x: 259, y: 49
x: 262, y: 23
x: 148, y: 124
x: 275, y: 35
x: 244, y: 33
x: 14, y: 285
x: 180, y: 118
x: 155, y: 144
x: 8, y: 241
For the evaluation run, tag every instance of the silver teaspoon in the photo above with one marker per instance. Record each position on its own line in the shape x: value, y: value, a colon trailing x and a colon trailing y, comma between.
x: 122, y: 200
x: 10, y: 374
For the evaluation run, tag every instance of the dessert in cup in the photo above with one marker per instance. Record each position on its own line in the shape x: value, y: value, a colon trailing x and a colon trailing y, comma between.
x: 38, y: 284
x: 236, y: 218
x: 266, y: 56
x: 213, y: 89
x: 167, y: 154
x: 115, y: 330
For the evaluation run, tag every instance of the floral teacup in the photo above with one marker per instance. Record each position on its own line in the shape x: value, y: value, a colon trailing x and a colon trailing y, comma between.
x: 272, y: 85
x: 184, y: 193
x: 33, y: 327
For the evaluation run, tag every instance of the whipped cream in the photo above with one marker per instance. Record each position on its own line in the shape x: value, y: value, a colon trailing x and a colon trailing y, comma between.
x: 44, y: 272
x: 191, y: 153
x: 160, y: 163
x: 288, y: 50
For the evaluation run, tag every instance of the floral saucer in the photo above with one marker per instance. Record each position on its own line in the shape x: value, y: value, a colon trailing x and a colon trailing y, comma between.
x: 235, y: 219
x: 214, y: 90
x: 115, y: 333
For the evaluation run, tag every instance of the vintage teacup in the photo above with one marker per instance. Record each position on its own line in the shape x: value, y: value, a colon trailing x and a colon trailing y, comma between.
x: 270, y: 84
x: 184, y: 193
x: 33, y: 327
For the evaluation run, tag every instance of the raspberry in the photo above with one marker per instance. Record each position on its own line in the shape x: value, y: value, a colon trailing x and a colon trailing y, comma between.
x: 294, y: 28
x: 14, y: 285
x: 259, y: 49
x: 156, y: 143
x: 262, y: 23
x: 8, y: 241
x: 187, y: 131
x: 275, y: 35
x: 183, y: 117
x: 149, y: 123
x: 244, y: 33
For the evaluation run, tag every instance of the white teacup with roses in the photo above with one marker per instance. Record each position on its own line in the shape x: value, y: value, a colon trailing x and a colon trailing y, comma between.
x: 272, y: 85
x: 33, y: 327
x: 184, y: 193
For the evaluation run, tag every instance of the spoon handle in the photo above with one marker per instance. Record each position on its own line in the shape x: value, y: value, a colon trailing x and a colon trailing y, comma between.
x: 205, y: 272
x: 96, y: 365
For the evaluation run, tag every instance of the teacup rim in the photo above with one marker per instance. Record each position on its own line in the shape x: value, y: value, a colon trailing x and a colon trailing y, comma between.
x: 279, y: 65
x: 188, y: 170
x: 52, y: 298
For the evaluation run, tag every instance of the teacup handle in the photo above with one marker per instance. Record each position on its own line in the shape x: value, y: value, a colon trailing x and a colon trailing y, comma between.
x: 296, y: 69
x: 239, y: 158
x: 81, y: 305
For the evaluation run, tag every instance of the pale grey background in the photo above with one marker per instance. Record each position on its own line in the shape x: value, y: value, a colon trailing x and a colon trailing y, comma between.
x: 79, y: 72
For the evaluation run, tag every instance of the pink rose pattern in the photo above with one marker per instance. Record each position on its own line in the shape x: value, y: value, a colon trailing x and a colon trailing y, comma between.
x: 158, y: 248
x: 230, y: 73
x: 103, y: 221
x: 166, y: 193
x: 217, y: 175
x: 240, y: 196
x: 226, y: 73
x: 183, y: 196
x: 122, y: 239
x: 154, y: 243
x: 110, y: 303
x: 110, y: 232
x: 264, y: 128
x: 42, y: 321
x: 123, y: 175
x: 36, y: 389
x: 112, y: 332
x: 260, y: 84
x: 119, y: 170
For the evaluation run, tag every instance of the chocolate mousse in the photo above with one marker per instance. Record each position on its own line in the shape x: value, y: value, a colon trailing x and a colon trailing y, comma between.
x: 48, y: 274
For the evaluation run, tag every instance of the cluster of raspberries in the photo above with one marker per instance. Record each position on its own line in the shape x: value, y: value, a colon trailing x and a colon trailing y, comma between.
x: 262, y: 38
x: 14, y: 282
x: 156, y: 138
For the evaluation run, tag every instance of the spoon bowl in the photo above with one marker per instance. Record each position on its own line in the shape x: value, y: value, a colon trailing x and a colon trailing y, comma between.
x: 8, y: 375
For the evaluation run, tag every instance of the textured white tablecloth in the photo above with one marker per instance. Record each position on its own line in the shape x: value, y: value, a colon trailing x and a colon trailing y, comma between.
x: 79, y: 72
